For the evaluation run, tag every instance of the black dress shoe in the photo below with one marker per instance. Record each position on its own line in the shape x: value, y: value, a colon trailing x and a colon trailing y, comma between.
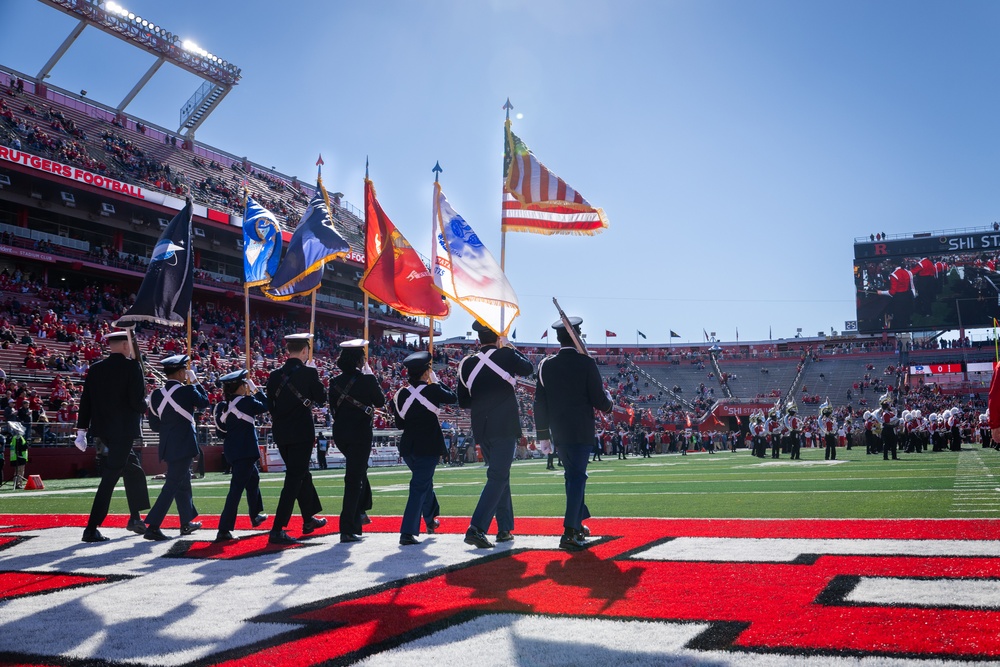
x: 477, y: 538
x: 365, y: 519
x: 137, y: 526
x: 349, y: 537
x: 550, y: 467
x: 189, y: 528
x: 407, y: 540
x: 432, y: 525
x: 225, y: 536
x: 155, y: 534
x: 312, y: 524
x: 257, y: 520
x: 505, y: 536
x: 281, y: 538
x: 94, y: 535
x: 572, y: 541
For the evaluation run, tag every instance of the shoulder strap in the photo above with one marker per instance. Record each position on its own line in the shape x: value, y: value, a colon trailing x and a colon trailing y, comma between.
x: 344, y: 396
x: 285, y: 377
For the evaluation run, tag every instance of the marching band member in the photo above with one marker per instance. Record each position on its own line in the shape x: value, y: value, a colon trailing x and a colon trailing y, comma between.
x: 828, y: 429
x: 234, y: 421
x: 171, y: 414
x: 934, y: 429
x: 871, y: 442
x: 793, y: 428
x: 354, y: 395
x: 889, y: 421
x: 774, y: 432
x: 955, y: 424
x: 984, y: 430
x: 417, y: 406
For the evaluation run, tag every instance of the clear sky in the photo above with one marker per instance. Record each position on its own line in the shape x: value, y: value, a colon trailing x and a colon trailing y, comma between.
x: 737, y: 147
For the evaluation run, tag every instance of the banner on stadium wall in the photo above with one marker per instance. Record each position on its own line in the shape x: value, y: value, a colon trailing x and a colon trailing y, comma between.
x: 96, y: 180
x: 980, y: 367
x: 28, y: 254
x: 741, y: 409
x: 936, y: 369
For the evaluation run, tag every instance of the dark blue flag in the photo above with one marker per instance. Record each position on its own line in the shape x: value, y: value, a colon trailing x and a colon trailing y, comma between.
x: 261, y: 244
x: 314, y: 243
x: 165, y: 294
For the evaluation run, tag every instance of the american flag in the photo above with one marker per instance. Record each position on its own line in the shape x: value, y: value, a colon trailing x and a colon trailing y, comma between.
x: 536, y: 200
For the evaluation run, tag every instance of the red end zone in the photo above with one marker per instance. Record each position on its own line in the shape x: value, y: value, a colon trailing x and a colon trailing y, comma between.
x: 907, y: 589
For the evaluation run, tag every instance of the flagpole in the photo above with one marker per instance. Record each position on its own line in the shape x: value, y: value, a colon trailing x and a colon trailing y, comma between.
x: 503, y: 232
x: 430, y: 335
x: 189, y: 336
x: 312, y: 325
x: 246, y: 289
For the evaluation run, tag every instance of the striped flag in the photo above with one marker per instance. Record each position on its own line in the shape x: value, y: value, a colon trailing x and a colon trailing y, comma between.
x: 536, y: 200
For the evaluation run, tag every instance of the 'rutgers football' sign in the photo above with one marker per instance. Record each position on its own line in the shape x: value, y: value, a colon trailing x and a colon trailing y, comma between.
x: 648, y: 592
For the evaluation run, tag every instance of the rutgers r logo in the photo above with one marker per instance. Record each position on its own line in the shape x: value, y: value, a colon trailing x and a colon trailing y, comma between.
x: 691, y: 592
x: 880, y: 249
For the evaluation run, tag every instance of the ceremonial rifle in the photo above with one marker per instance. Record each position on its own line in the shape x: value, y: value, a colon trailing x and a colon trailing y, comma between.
x: 577, y: 342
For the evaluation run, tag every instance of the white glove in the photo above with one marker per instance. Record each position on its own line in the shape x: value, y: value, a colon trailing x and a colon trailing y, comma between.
x: 81, y: 439
x: 311, y: 363
x: 503, y: 341
x: 545, y: 446
x: 251, y: 386
x: 432, y: 378
x: 191, y: 377
x: 366, y: 369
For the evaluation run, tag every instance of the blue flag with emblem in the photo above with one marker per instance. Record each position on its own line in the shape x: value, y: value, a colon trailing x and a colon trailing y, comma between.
x: 261, y: 244
x: 314, y: 243
x: 164, y: 296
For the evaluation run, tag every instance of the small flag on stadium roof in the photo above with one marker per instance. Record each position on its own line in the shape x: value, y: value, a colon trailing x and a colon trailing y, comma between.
x: 261, y: 244
x: 642, y: 334
x: 164, y: 297
x: 314, y: 243
x: 466, y: 272
x: 394, y: 272
x: 536, y: 200
x: 674, y: 334
x: 609, y: 334
x: 545, y: 334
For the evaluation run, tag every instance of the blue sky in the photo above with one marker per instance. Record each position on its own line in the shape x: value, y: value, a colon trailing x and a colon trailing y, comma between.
x: 737, y: 147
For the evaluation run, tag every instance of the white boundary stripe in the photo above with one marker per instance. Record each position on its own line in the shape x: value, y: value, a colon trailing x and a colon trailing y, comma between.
x: 973, y: 593
x: 724, y: 549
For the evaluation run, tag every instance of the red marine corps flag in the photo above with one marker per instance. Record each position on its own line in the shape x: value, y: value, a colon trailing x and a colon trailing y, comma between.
x: 536, y: 200
x: 394, y: 272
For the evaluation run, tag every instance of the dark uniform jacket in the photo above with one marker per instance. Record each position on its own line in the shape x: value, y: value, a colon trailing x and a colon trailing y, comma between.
x: 351, y: 424
x: 234, y: 422
x: 422, y: 434
x: 569, y: 389
x: 491, y: 397
x: 291, y: 418
x: 177, y: 432
x: 112, y: 404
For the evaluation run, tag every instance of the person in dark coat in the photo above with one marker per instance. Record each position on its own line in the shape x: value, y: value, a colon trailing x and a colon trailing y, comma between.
x: 111, y: 408
x: 171, y: 414
x: 486, y: 385
x: 234, y: 422
x: 568, y: 391
x: 354, y: 395
x: 417, y: 406
x: 292, y: 392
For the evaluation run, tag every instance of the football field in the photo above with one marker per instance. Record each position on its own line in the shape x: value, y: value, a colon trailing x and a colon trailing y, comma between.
x: 936, y: 485
x: 705, y: 559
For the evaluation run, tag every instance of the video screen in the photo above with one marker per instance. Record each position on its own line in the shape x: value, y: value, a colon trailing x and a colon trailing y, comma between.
x: 920, y: 292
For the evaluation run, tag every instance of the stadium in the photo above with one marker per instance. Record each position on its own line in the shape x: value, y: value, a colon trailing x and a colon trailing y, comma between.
x: 702, y: 551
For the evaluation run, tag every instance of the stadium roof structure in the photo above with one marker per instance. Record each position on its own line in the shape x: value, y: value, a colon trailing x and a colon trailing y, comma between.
x: 219, y: 75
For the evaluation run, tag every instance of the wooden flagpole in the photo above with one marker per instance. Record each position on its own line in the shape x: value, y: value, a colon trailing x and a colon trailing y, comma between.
x: 430, y: 335
x: 503, y: 232
x: 246, y: 289
x: 367, y: 259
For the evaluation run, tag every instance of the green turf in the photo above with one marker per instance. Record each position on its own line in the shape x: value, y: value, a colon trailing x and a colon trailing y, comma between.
x: 931, y: 485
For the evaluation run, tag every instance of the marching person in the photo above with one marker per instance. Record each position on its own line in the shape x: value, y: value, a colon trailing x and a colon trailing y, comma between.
x: 292, y: 392
x: 486, y: 384
x: 111, y: 408
x: 792, y: 429
x: 828, y: 427
x: 887, y: 418
x: 354, y: 395
x: 234, y: 422
x: 171, y: 414
x: 569, y: 389
x: 18, y: 453
x: 417, y: 406
x: 774, y: 432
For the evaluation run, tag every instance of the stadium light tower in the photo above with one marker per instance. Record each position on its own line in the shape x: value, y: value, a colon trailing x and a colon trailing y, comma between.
x: 219, y: 76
